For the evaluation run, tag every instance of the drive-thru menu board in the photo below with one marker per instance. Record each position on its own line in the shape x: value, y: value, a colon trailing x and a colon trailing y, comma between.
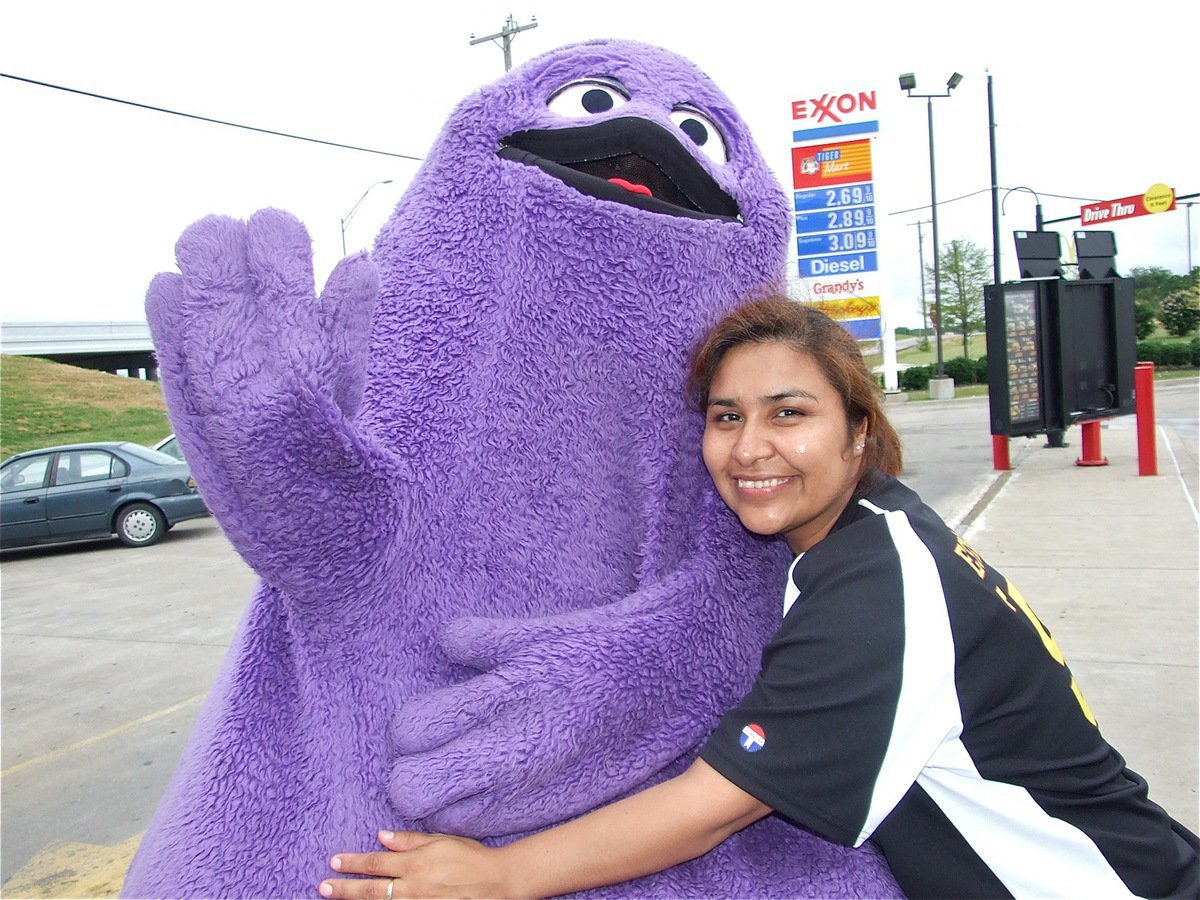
x: 1021, y: 346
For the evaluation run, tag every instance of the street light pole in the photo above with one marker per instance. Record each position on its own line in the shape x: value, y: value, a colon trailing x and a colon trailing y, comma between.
x: 1187, y: 209
x: 908, y: 84
x: 937, y: 247
x: 350, y: 215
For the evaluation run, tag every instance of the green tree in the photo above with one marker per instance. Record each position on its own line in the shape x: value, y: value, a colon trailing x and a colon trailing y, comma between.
x: 1143, y: 320
x: 965, y: 269
x: 1180, y: 312
x: 1153, y: 284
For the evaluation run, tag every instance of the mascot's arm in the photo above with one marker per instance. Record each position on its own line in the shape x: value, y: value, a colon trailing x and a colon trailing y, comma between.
x: 574, y: 710
x: 261, y: 379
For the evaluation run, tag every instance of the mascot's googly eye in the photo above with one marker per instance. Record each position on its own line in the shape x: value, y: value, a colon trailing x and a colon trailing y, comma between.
x: 703, y: 132
x: 588, y: 97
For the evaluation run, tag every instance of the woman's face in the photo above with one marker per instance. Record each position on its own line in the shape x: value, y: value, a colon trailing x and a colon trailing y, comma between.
x: 777, y: 445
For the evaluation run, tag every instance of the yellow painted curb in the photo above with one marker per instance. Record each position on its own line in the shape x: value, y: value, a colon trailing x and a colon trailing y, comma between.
x: 69, y: 870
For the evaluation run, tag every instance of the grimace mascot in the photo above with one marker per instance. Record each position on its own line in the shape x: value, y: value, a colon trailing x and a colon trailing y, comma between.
x: 497, y: 587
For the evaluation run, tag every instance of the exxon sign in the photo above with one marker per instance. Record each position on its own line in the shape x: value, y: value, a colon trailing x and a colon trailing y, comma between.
x: 832, y: 107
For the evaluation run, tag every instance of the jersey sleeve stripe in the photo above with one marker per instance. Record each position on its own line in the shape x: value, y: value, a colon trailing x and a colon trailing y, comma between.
x: 1030, y: 852
x: 928, y: 712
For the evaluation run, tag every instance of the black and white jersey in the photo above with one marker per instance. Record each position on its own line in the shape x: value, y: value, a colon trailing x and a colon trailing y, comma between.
x: 911, y: 696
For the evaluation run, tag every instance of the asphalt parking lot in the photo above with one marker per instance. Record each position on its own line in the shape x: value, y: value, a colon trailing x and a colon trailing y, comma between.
x: 108, y: 651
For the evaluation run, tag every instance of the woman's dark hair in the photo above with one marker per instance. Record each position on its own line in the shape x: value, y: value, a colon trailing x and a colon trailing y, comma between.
x: 836, y: 353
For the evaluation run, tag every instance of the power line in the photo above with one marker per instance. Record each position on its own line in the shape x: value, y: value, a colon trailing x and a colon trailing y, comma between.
x: 173, y: 112
x: 988, y: 190
x: 901, y: 212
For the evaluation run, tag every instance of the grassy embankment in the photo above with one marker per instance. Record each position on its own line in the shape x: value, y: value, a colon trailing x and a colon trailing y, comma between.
x: 44, y: 403
x: 952, y: 347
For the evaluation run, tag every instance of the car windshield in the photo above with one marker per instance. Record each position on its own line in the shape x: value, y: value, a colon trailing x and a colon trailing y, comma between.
x: 149, y: 455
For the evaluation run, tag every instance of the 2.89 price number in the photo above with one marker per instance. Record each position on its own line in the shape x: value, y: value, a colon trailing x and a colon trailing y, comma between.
x: 849, y: 218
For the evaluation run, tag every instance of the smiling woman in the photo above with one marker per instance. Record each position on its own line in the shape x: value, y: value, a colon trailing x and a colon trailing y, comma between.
x: 778, y: 444
x: 831, y: 378
x: 910, y: 697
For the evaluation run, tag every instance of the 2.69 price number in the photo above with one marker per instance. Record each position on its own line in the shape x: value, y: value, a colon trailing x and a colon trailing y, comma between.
x: 855, y: 195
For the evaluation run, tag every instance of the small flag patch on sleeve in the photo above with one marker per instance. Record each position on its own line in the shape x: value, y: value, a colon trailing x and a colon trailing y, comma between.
x: 753, y: 737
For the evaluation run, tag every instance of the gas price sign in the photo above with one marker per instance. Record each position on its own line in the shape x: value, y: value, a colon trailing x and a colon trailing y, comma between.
x: 834, y: 202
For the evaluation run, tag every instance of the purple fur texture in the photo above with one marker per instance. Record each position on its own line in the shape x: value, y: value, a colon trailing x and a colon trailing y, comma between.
x: 497, y: 586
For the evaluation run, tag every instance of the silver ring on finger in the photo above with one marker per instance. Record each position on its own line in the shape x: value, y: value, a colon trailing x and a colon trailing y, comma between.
x: 391, y: 888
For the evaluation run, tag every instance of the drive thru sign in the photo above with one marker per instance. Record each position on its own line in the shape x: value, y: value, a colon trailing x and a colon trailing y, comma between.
x: 1159, y: 198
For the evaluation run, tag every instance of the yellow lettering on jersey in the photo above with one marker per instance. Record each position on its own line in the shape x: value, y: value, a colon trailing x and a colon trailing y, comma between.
x: 1051, y: 646
x: 1083, y: 704
x: 1047, y: 641
x: 1003, y: 596
x: 970, y: 557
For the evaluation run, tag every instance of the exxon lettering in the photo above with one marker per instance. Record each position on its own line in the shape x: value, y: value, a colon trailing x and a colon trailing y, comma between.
x: 831, y: 107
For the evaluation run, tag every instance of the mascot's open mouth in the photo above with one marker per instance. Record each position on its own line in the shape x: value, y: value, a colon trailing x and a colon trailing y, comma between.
x: 628, y: 160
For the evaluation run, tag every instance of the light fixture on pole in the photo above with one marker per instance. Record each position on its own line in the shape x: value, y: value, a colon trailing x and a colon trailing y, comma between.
x: 350, y: 215
x: 1038, y: 221
x: 908, y: 84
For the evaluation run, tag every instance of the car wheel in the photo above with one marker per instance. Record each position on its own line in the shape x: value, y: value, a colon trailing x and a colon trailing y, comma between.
x: 140, y: 525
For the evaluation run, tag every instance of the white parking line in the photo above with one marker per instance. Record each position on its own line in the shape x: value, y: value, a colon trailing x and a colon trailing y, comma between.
x: 1179, y: 472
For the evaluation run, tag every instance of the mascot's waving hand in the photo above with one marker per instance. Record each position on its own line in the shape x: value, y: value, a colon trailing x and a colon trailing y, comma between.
x: 497, y: 587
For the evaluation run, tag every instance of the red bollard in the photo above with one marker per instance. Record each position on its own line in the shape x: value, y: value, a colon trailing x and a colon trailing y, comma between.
x: 1143, y: 390
x: 1091, y: 445
x: 1000, y: 453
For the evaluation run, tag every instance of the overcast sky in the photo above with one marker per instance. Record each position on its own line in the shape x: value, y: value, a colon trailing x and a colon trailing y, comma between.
x: 1089, y: 104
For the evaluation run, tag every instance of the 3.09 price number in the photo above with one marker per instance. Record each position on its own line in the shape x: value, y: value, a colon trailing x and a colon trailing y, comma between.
x: 850, y: 240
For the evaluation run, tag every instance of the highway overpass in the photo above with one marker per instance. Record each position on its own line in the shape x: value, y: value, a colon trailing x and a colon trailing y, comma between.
x: 122, y: 348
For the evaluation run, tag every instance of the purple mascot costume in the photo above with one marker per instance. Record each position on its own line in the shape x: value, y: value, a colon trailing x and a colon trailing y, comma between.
x: 497, y: 588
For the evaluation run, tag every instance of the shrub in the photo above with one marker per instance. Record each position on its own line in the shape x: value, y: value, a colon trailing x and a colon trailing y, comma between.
x: 1143, y: 320
x: 916, y: 378
x: 1180, y: 312
x: 961, y: 369
x: 981, y: 375
x: 1195, y: 345
x: 1166, y: 353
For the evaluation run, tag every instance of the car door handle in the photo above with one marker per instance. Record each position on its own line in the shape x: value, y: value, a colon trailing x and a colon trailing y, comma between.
x: 113, y: 490
x: 34, y: 500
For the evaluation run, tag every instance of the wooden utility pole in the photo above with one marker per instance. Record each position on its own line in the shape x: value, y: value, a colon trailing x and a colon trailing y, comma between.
x: 505, y: 37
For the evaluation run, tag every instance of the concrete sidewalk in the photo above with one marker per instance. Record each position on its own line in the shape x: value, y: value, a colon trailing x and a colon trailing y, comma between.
x: 1108, y: 560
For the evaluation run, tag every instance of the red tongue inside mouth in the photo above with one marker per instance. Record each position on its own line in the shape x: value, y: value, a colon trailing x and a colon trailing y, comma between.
x: 631, y: 187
